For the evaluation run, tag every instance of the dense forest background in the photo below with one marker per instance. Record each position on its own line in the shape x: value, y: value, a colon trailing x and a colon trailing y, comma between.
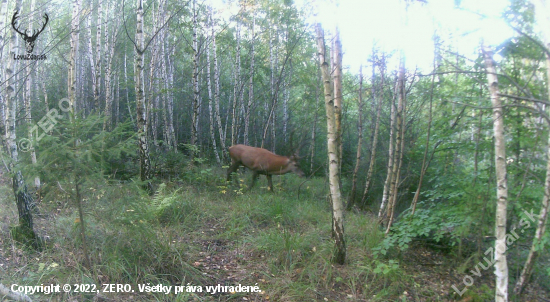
x: 117, y: 116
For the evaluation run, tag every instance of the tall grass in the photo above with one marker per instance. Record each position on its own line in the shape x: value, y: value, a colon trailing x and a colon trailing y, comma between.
x: 282, y: 241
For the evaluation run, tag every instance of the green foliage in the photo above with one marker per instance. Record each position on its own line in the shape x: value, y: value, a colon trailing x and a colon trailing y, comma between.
x: 171, y: 208
x: 385, y: 269
x: 83, y: 148
x: 436, y: 223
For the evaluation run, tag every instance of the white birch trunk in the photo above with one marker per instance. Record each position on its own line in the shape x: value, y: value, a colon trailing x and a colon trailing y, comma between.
x: 391, y: 152
x: 501, y: 266
x: 108, y: 82
x: 75, y: 29
x: 210, y: 101
x: 217, y: 90
x: 399, y: 141
x: 195, y: 118
x: 374, y: 146
x: 145, y: 164
x: 236, y: 87
x: 337, y: 76
x: 23, y: 200
x: 351, y: 197
x: 126, y: 89
x: 171, y: 102
x: 3, y: 11
x: 250, y: 85
x: 332, y: 143
x: 98, y: 58
x: 91, y: 55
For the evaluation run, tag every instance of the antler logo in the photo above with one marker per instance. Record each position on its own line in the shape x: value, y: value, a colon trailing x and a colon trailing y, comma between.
x: 29, y: 40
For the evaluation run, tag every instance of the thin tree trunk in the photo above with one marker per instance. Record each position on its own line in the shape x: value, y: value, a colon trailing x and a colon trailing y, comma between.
x: 108, y: 89
x: 152, y: 104
x: 72, y: 88
x: 285, y: 108
x: 476, y: 152
x: 91, y: 56
x: 399, y: 142
x: 75, y: 29
x: 166, y: 96
x: 194, y: 120
x: 217, y: 90
x: 314, y: 126
x: 251, y: 83
x: 359, y: 140
x: 332, y: 143
x: 23, y: 199
x: 3, y: 12
x: 99, y: 58
x: 117, y: 99
x: 210, y: 110
x: 274, y: 58
x: 172, y: 132
x: 126, y: 89
x: 379, y: 97
x: 337, y: 74
x: 424, y: 167
x: 501, y: 266
x: 236, y: 87
x: 145, y: 162
x: 391, y: 154
x: 28, y: 97
x: 45, y: 92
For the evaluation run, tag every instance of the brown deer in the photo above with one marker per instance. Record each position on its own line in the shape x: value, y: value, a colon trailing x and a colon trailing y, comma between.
x: 261, y: 161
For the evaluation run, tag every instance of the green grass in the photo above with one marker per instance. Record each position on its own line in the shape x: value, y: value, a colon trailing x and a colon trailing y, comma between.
x: 202, y: 231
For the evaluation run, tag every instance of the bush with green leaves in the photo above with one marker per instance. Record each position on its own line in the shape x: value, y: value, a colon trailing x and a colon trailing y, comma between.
x: 438, y: 223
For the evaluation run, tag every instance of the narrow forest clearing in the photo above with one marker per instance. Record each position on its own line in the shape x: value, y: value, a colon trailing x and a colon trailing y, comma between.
x: 200, y: 236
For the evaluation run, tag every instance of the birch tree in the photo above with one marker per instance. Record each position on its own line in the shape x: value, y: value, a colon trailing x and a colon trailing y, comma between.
x: 332, y: 144
x: 210, y: 109
x: 139, y: 48
x: 75, y: 30
x: 400, y: 120
x: 28, y: 95
x: 359, y: 139
x: 98, y: 57
x: 195, y: 118
x: 110, y: 53
x: 424, y: 166
x: 501, y: 266
x: 314, y: 126
x: 389, y: 173
x: 337, y: 81
x: 221, y: 131
x: 3, y: 10
x: 379, y: 97
x: 250, y: 84
x: 236, y: 86
x: 91, y: 55
x: 24, y: 201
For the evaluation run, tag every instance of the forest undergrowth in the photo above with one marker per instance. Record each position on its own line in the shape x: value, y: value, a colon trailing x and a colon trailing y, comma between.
x: 198, y: 231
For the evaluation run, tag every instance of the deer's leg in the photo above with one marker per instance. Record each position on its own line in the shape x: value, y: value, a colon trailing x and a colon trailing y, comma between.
x: 255, y: 176
x: 232, y: 169
x: 269, y: 182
